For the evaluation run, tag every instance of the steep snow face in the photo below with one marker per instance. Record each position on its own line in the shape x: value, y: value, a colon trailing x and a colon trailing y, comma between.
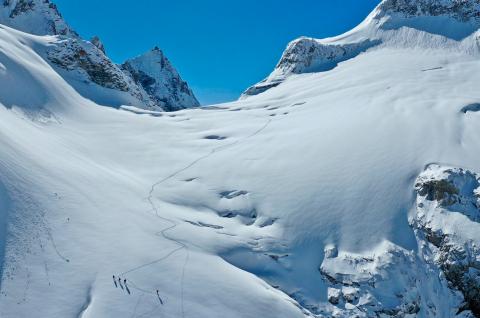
x: 424, y: 23
x: 155, y: 74
x: 40, y: 17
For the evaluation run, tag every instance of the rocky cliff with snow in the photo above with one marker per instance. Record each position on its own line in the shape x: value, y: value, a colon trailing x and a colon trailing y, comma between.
x: 91, y: 72
x: 154, y: 73
x: 40, y: 17
x: 454, y: 20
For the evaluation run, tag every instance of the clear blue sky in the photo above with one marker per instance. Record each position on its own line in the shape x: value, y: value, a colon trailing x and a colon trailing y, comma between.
x: 219, y: 47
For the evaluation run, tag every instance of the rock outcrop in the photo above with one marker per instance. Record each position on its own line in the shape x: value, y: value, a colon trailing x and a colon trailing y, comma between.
x: 447, y: 224
x: 441, y: 279
x: 462, y: 10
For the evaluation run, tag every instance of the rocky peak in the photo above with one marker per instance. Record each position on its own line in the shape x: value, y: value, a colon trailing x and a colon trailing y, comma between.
x: 462, y: 10
x: 155, y: 74
x: 40, y: 17
x: 98, y: 43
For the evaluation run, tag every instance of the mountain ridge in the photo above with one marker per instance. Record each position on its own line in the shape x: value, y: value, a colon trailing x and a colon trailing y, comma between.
x: 392, y: 22
x: 86, y: 65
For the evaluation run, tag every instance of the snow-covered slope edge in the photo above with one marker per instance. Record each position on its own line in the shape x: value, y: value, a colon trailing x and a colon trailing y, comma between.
x: 405, y: 23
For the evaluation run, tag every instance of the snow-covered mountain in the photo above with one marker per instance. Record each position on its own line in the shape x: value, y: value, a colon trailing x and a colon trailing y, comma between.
x: 85, y: 65
x: 351, y: 189
x: 40, y: 17
x: 406, y: 23
x: 155, y: 74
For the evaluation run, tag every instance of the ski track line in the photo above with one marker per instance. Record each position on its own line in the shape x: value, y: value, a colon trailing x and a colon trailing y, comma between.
x: 136, y: 305
x: 174, y: 224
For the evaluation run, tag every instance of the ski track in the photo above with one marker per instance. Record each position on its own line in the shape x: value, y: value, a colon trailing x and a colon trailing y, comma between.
x: 174, y: 224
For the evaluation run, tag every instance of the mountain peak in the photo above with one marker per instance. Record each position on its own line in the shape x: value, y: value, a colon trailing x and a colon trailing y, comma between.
x: 157, y: 76
x: 39, y: 17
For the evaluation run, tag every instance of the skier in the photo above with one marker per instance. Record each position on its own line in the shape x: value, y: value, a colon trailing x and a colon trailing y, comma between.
x: 159, y: 298
x: 115, y: 281
x: 125, y: 282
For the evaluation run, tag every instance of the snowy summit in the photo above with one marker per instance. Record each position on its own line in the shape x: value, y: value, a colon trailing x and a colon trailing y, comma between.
x: 346, y: 184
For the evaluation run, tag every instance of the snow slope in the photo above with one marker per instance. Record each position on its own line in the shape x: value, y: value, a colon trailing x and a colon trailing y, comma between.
x: 303, y: 201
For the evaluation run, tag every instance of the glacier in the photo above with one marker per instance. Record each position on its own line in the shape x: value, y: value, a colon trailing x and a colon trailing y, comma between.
x: 342, y: 191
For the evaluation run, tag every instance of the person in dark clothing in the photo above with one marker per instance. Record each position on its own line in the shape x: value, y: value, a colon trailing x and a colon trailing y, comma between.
x: 115, y: 281
x: 159, y: 298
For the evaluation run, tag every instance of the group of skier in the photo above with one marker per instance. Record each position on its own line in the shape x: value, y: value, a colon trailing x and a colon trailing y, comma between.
x: 126, y: 287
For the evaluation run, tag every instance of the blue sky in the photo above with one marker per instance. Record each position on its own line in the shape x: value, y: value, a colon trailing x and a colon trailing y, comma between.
x: 219, y: 47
